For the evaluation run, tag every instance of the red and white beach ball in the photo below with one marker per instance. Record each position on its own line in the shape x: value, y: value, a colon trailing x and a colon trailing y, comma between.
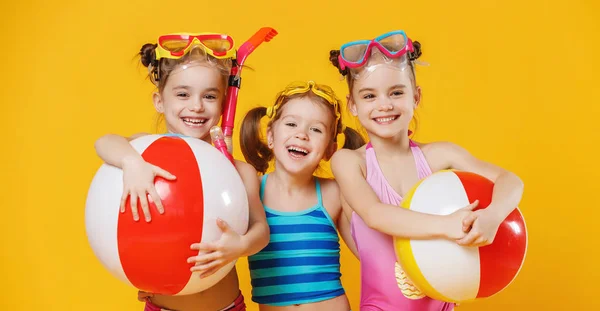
x: 153, y: 256
x: 444, y: 270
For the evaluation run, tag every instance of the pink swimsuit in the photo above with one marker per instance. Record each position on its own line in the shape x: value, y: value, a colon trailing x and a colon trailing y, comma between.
x: 379, y: 288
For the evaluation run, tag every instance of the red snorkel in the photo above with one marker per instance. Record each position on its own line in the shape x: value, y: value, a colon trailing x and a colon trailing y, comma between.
x: 264, y: 34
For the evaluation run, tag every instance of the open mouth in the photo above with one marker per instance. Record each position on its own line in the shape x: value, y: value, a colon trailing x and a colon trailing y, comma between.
x: 194, y: 122
x: 297, y: 152
x: 386, y: 119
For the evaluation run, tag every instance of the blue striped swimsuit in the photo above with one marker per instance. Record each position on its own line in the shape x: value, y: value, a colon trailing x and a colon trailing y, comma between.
x: 301, y: 263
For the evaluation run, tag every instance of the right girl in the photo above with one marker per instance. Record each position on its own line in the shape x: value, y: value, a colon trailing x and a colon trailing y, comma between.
x: 383, y: 94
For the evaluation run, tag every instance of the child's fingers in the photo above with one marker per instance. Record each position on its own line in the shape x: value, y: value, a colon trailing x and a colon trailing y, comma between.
x: 124, y: 200
x: 144, y: 202
x: 209, y: 272
x: 204, y: 258
x: 163, y: 173
x: 204, y: 247
x: 156, y: 199
x: 133, y: 203
x: 468, y: 221
x: 205, y: 267
x: 481, y: 241
x: 469, y: 238
x: 471, y: 206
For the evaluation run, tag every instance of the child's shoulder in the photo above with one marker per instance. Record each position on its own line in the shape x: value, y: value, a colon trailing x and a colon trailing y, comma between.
x: 441, y: 154
x: 438, y: 146
x: 347, y: 162
x: 243, y: 166
x: 331, y: 194
x: 349, y: 156
x: 246, y: 171
x: 328, y: 184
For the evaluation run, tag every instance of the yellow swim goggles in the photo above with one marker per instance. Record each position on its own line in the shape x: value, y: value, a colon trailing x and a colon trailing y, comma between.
x: 176, y: 45
x: 320, y: 90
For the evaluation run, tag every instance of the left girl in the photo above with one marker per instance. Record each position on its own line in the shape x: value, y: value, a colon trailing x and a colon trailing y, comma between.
x: 190, y: 72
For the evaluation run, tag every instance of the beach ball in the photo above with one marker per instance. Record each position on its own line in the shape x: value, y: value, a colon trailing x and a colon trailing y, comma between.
x: 152, y: 256
x: 444, y: 270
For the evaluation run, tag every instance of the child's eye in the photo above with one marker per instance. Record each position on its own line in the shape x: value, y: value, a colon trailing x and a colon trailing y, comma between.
x: 368, y: 96
x: 183, y: 95
x: 291, y: 124
x: 397, y: 93
x: 210, y: 96
x: 318, y: 130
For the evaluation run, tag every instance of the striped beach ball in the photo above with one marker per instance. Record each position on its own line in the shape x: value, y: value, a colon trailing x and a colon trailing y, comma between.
x: 444, y: 270
x: 152, y: 256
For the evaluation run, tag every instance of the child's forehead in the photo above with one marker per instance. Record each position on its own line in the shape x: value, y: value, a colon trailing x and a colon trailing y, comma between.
x: 196, y: 77
x: 382, y: 77
x: 306, y: 108
x: 196, y: 69
x: 305, y: 104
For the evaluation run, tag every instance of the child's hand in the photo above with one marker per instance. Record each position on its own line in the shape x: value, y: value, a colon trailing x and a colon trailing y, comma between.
x: 454, y: 222
x: 482, y: 226
x: 213, y: 256
x: 143, y: 296
x: 138, y: 181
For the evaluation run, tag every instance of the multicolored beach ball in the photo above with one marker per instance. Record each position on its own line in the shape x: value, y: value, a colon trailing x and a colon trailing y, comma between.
x: 444, y: 270
x: 153, y: 256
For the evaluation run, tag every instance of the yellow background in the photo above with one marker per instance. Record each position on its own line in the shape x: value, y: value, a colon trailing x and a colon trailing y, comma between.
x: 512, y: 81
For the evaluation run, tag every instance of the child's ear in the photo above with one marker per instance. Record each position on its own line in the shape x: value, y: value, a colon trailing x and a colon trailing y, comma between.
x: 158, y: 103
x: 351, y: 105
x: 417, y: 96
x: 270, y: 137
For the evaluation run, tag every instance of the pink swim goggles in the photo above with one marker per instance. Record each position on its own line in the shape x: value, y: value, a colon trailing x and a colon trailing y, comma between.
x: 393, y: 44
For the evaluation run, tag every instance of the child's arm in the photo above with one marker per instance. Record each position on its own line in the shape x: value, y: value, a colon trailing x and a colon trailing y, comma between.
x: 333, y: 203
x: 138, y: 175
x: 389, y: 219
x: 232, y: 245
x: 507, y: 193
x: 344, y: 228
x: 257, y: 236
x: 115, y: 149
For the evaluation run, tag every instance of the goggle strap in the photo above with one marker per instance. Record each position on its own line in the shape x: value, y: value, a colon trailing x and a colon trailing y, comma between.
x: 342, y: 65
x: 235, y: 81
x: 154, y: 71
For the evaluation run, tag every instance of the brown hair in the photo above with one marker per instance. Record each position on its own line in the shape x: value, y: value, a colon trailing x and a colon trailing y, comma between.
x: 160, y: 70
x: 255, y: 150
x: 412, y: 56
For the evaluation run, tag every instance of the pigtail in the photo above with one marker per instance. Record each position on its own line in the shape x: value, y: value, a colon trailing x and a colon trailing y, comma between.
x: 414, y: 55
x: 255, y: 151
x: 148, y: 59
x: 353, y: 140
x: 148, y: 54
x: 334, y: 59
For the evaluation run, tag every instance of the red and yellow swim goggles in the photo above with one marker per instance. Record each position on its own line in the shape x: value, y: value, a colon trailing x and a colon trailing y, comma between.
x: 320, y: 90
x: 176, y: 45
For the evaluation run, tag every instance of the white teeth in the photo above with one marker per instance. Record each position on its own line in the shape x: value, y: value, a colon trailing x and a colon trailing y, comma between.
x: 388, y: 119
x: 294, y: 148
x: 194, y: 121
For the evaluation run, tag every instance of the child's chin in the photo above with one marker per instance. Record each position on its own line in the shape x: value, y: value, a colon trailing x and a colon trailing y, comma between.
x: 299, y: 166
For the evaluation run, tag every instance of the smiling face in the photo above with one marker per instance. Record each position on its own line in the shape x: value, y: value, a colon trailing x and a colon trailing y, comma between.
x: 302, y: 135
x: 191, y: 100
x: 384, y: 101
